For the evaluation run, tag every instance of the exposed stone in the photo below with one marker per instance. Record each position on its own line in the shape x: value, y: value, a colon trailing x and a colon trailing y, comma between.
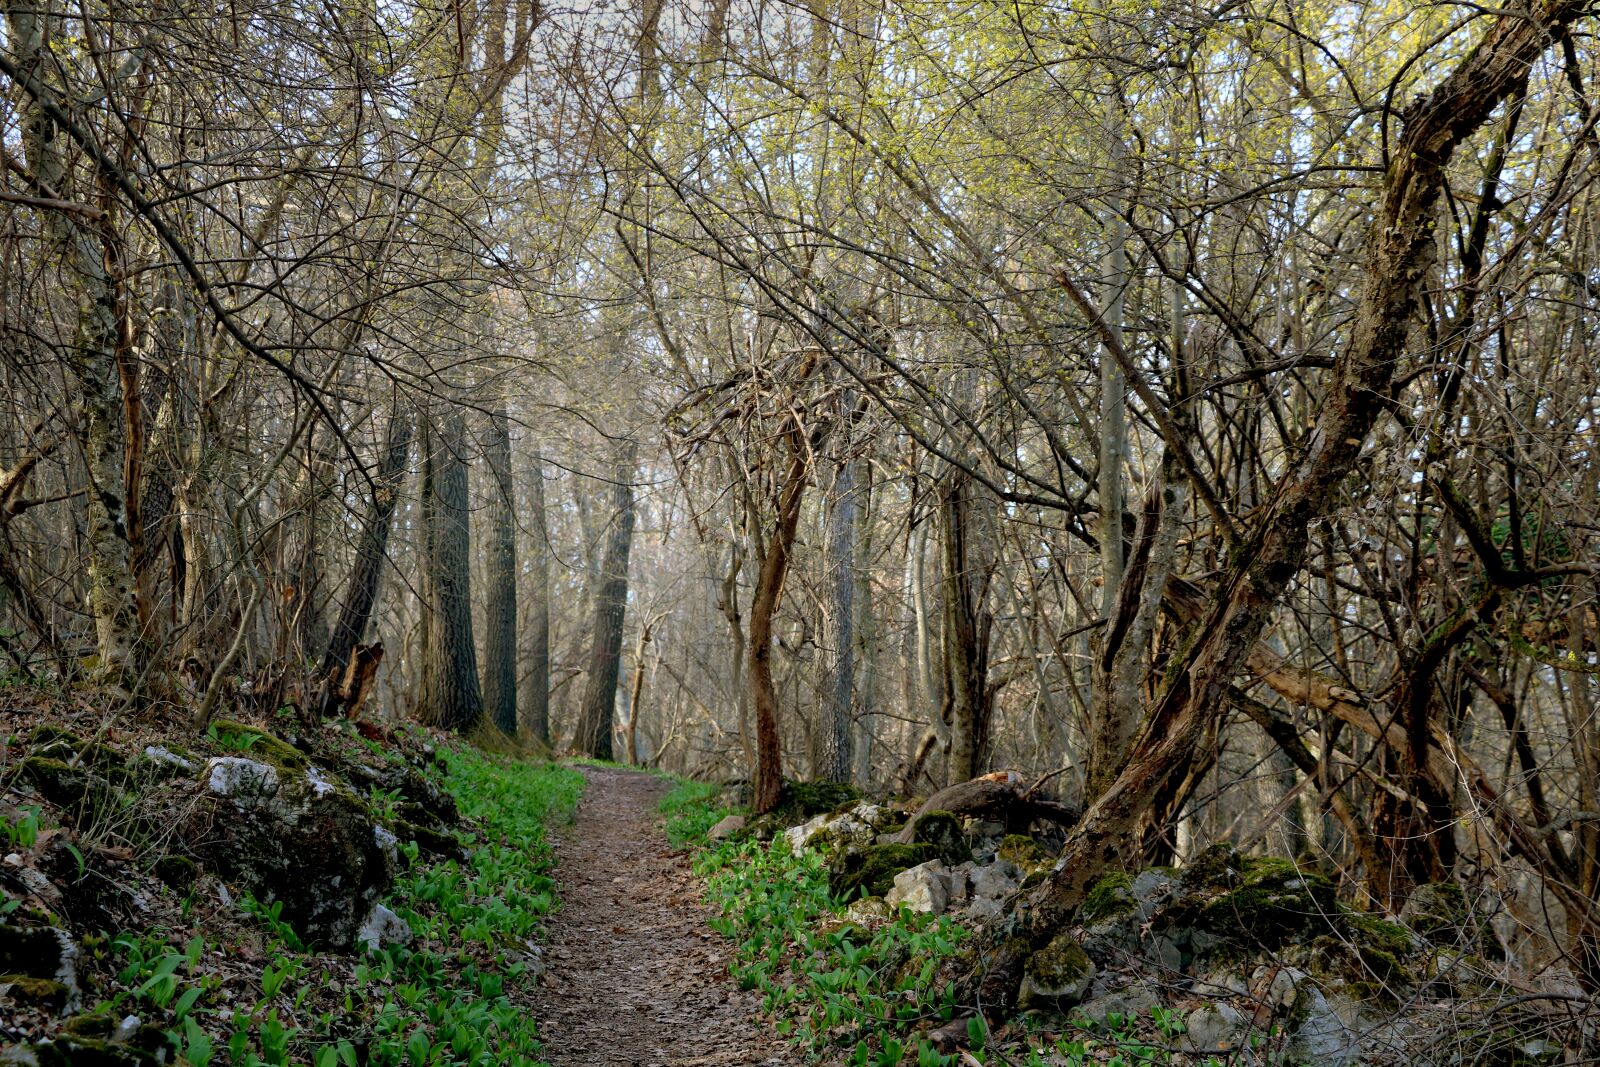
x: 800, y: 836
x: 943, y: 831
x: 246, y: 782
x: 995, y: 881
x: 1056, y: 977
x: 383, y: 927
x: 165, y: 763
x: 289, y: 836
x: 1318, y: 1034
x: 726, y: 828
x: 65, y: 1051
x: 1025, y: 853
x: 925, y: 888
x: 867, y: 908
x: 1128, y: 1001
x: 43, y: 953
x: 871, y: 871
x: 1214, y: 1028
x: 985, y: 837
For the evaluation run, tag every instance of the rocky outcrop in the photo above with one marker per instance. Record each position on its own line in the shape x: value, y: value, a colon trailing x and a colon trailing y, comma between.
x: 294, y: 835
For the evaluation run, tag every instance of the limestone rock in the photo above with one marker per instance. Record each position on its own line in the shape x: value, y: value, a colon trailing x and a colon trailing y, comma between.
x: 165, y: 763
x: 296, y: 836
x: 1319, y: 1035
x: 1057, y: 976
x: 246, y: 782
x: 726, y: 828
x: 383, y: 927
x: 1128, y: 1001
x: 800, y: 836
x: 1215, y: 1028
x: 925, y: 887
x: 867, y: 908
x: 30, y: 956
x: 984, y: 838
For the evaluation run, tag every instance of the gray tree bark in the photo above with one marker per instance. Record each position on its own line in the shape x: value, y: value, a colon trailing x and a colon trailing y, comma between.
x: 597, y: 716
x: 500, y: 608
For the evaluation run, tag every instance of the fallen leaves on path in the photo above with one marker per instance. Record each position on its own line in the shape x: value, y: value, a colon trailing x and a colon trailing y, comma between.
x: 636, y: 979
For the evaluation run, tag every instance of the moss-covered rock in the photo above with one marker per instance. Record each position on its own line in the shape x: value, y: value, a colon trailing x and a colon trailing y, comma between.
x: 1112, y: 896
x: 1056, y: 977
x: 299, y: 837
x: 870, y: 871
x: 28, y: 991
x: 1272, y: 902
x: 798, y: 801
x: 242, y: 739
x: 69, y: 1051
x: 1026, y: 852
x: 40, y: 954
x: 60, y: 782
x: 942, y: 831
x: 176, y: 872
x: 430, y: 841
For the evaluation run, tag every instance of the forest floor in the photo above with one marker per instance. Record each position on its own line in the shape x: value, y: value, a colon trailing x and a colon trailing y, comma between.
x: 636, y: 979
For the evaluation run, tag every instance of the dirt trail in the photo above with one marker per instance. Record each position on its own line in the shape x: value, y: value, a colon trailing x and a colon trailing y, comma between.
x: 636, y: 979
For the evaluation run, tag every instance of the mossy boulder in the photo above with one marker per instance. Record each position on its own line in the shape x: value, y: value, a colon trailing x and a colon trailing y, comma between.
x: 61, y: 783
x: 798, y: 801
x: 1111, y: 897
x: 1026, y: 852
x: 257, y: 743
x: 31, y: 992
x: 1056, y: 977
x: 870, y: 872
x: 40, y: 962
x: 296, y: 836
x: 1270, y: 901
x: 942, y: 831
x: 69, y: 1051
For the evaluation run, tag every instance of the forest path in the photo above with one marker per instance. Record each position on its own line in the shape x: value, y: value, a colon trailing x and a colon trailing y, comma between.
x: 636, y: 978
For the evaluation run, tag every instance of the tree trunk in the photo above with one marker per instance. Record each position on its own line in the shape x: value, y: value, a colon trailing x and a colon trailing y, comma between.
x: 104, y: 373
x: 763, y: 609
x: 596, y: 719
x: 967, y: 627
x: 536, y: 683
x: 362, y: 590
x: 451, y: 697
x: 500, y: 609
x: 835, y: 762
x: 1400, y: 249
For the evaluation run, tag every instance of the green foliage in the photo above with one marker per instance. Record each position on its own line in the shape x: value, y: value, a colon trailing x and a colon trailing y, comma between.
x: 690, y: 812
x: 441, y: 1001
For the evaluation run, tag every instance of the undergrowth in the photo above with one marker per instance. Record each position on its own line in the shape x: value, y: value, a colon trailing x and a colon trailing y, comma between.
x: 456, y: 995
x: 871, y: 989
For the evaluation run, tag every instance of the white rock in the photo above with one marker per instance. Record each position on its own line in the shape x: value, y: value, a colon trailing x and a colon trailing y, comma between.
x: 320, y: 786
x: 1214, y: 1028
x: 997, y: 880
x: 389, y: 845
x: 1285, y: 985
x: 244, y: 781
x: 799, y: 836
x: 726, y: 828
x: 382, y: 927
x: 1321, y: 1037
x: 925, y: 887
x: 168, y: 758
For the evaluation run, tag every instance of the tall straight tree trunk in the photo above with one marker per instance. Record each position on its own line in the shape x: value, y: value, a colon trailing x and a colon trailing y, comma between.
x: 835, y: 762
x: 362, y: 591
x: 451, y: 697
x: 596, y: 718
x: 500, y: 609
x: 865, y: 631
x: 105, y: 374
x: 536, y: 683
x: 763, y: 609
x: 967, y: 627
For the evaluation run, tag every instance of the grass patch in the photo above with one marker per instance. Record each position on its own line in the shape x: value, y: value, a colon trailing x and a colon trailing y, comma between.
x: 458, y: 994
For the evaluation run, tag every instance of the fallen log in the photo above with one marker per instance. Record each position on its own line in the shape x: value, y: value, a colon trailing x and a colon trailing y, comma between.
x: 1000, y: 797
